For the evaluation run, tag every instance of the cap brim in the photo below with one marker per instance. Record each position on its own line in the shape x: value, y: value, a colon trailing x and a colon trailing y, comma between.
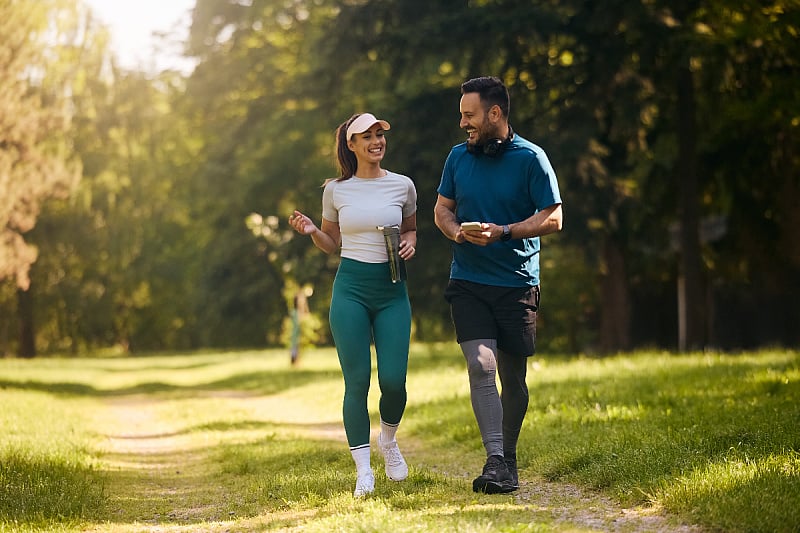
x: 364, y: 122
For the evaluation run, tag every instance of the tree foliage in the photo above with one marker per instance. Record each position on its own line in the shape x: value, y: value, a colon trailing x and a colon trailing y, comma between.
x: 34, y: 161
x: 673, y: 129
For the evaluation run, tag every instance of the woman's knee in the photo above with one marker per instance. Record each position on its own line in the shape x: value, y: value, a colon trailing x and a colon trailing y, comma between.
x: 395, y: 384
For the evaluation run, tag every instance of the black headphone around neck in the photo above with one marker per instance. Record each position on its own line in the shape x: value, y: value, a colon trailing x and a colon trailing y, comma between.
x: 492, y: 147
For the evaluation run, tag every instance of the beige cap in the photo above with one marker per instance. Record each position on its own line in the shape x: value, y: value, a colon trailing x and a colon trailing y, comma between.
x: 364, y: 122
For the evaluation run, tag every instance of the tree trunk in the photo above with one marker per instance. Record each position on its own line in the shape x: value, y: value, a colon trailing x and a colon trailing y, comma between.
x: 615, y: 311
x: 691, y: 305
x: 27, y: 338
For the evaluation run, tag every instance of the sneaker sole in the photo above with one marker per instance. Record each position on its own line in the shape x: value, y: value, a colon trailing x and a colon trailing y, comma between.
x: 398, y: 478
x: 492, y: 487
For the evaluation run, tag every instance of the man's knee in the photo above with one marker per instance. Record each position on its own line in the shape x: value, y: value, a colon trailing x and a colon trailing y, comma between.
x: 480, y: 357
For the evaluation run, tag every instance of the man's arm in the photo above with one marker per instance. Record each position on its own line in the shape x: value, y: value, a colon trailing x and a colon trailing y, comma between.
x: 548, y: 220
x: 444, y: 215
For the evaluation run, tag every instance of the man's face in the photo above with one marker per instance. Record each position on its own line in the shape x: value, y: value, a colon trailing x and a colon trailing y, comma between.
x: 475, y: 120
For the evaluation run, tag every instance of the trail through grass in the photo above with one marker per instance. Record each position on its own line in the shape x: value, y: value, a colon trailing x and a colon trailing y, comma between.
x: 242, y: 442
x: 160, y: 480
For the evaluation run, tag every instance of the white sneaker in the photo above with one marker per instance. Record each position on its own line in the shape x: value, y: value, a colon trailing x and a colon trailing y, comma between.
x: 365, y: 484
x: 396, y: 467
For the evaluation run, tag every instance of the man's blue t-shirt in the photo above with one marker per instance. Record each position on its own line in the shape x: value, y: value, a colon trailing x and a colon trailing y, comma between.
x: 501, y: 190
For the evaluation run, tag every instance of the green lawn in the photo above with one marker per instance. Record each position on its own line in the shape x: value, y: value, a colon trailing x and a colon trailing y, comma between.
x: 242, y: 441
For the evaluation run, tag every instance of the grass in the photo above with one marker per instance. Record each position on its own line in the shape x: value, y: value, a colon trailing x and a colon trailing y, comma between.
x: 47, y: 472
x: 242, y: 441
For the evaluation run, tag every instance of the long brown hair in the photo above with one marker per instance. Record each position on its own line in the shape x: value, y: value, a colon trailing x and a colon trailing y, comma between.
x: 345, y: 157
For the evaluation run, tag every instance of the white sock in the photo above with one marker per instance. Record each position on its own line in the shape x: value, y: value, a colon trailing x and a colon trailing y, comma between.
x: 361, y: 457
x: 388, y: 431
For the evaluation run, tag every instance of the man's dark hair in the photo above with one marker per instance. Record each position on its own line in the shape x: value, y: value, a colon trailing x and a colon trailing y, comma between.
x: 491, y: 91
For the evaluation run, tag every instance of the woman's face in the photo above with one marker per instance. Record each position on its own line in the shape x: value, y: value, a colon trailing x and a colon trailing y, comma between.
x: 369, y: 146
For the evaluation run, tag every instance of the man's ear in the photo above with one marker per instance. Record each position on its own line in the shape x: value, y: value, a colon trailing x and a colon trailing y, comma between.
x: 495, y: 114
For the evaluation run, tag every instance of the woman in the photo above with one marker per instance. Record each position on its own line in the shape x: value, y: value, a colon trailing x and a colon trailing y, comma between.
x: 365, y: 303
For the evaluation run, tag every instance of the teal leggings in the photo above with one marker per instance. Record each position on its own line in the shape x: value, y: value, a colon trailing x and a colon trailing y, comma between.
x: 366, y: 306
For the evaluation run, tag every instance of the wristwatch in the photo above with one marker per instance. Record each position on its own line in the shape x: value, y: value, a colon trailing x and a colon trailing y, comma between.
x: 506, y: 236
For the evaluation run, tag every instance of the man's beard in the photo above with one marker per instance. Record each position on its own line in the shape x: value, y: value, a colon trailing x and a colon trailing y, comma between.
x: 485, y: 133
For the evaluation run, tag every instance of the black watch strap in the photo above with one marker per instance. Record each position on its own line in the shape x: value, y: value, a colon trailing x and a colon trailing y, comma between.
x: 506, y: 233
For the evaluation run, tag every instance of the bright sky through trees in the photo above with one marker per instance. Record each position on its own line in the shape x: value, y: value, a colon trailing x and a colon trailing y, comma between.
x: 132, y: 25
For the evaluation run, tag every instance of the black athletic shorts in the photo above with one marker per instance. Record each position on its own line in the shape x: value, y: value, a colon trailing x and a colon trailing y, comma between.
x: 507, y: 314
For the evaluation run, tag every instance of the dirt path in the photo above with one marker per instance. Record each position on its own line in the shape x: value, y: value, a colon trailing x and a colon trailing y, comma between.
x: 135, y: 432
x: 576, y: 508
x: 159, y: 462
x: 156, y: 470
x: 572, y: 505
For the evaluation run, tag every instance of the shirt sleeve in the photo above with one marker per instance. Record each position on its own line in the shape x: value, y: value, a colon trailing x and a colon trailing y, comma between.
x: 447, y: 186
x: 544, y: 185
x: 329, y: 211
x: 410, y: 206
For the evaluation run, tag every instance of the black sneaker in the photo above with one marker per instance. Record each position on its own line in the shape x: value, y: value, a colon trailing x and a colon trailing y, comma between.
x: 495, y: 478
x: 511, y: 466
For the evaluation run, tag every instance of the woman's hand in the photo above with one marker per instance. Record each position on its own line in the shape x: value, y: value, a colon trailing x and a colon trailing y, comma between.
x: 327, y: 238
x: 302, y: 224
x: 407, y: 250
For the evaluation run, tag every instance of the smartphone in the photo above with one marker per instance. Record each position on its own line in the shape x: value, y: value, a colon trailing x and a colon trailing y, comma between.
x: 471, y: 226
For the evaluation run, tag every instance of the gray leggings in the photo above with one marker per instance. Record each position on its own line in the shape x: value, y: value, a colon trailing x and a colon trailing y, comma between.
x: 499, y: 415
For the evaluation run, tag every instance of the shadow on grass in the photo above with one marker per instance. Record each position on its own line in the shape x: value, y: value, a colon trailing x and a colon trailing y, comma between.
x: 256, y: 383
x: 307, y: 430
x: 262, y: 382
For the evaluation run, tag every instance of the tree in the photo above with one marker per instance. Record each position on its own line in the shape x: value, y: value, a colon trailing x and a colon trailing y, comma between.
x: 656, y: 115
x: 266, y: 149
x: 624, y: 93
x: 34, y: 158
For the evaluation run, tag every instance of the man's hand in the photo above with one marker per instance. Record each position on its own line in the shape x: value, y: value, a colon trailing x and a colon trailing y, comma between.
x: 483, y: 234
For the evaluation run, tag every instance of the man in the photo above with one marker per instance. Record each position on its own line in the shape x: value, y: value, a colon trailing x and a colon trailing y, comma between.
x: 507, y: 185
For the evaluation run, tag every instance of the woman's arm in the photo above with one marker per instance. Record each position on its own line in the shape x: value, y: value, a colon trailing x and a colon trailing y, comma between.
x: 408, y: 237
x: 328, y: 238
